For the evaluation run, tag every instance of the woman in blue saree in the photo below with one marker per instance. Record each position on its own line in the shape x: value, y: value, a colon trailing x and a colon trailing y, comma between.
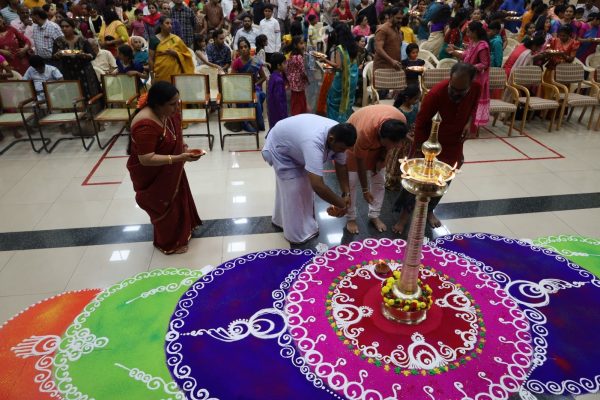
x: 340, y: 98
x: 247, y: 64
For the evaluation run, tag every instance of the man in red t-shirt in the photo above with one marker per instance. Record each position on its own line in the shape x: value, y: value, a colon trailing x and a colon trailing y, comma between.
x: 456, y: 100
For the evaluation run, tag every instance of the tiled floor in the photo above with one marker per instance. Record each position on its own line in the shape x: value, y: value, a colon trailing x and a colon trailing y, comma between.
x: 46, y: 192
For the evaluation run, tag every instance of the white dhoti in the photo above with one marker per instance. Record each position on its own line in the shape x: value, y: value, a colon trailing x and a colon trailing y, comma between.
x: 377, y: 189
x: 295, y: 209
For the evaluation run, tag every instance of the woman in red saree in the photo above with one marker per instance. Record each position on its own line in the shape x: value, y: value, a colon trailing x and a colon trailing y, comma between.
x: 157, y: 156
x: 14, y: 46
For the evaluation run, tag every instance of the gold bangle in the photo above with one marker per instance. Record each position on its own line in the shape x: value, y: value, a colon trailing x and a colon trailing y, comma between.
x: 170, y: 160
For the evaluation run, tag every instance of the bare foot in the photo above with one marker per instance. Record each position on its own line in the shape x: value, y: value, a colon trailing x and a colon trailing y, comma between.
x: 378, y: 224
x: 352, y: 227
x: 181, y: 250
x: 401, y: 224
x: 433, y: 220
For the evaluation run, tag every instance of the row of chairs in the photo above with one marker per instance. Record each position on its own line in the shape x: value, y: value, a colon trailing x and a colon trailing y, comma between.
x: 568, y: 88
x: 65, y: 105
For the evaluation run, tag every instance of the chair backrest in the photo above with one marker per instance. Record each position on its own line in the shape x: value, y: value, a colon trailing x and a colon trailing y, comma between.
x: 14, y: 92
x: 428, y: 56
x: 431, y: 77
x: 446, y: 63
x: 119, y: 88
x: 593, y: 60
x: 60, y: 95
x: 236, y: 88
x: 527, y: 75
x: 193, y: 88
x: 497, y: 78
x: 512, y: 43
x: 213, y: 79
x: 569, y: 73
x: 389, y: 78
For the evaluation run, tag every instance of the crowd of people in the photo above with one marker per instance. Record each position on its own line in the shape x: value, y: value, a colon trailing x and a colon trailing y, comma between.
x: 280, y: 42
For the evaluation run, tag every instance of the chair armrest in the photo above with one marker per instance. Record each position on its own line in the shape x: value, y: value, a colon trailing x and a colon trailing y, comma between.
x: 218, y: 98
x: 523, y: 89
x: 254, y: 98
x: 562, y: 88
x: 131, y: 99
x: 95, y: 98
x: 514, y: 92
x: 553, y: 88
x: 26, y: 101
x: 589, y: 69
x: 79, y: 100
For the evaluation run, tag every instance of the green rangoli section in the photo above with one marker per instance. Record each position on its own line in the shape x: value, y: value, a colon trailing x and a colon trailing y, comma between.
x: 584, y: 251
x: 115, y: 348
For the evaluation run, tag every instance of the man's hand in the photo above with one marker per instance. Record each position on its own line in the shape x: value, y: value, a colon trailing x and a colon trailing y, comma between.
x: 347, y: 200
x: 398, y: 65
x: 368, y: 197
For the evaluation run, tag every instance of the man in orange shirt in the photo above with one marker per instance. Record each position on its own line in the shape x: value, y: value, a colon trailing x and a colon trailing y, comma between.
x: 379, y: 128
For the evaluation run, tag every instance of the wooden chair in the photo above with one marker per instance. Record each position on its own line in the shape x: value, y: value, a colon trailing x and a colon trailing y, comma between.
x: 120, y: 97
x: 389, y: 78
x: 432, y: 77
x: 66, y: 106
x: 498, y: 81
x: 237, y: 90
x: 528, y: 76
x: 566, y: 76
x: 194, y: 91
x: 18, y: 107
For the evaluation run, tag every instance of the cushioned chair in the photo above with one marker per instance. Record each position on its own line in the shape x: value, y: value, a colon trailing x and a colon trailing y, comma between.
x: 66, y: 106
x: 237, y: 101
x: 432, y: 77
x: 389, y: 78
x: 18, y: 107
x: 565, y: 77
x: 531, y: 76
x: 194, y: 91
x: 497, y: 107
x: 120, y: 98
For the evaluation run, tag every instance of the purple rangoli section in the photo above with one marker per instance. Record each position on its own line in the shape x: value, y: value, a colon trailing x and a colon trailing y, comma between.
x: 561, y: 300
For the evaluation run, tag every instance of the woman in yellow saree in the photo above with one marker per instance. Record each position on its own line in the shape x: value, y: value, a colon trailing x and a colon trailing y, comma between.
x: 168, y: 53
x: 113, y: 32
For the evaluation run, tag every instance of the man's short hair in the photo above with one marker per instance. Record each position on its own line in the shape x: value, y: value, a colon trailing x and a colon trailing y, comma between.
x: 216, y: 33
x: 495, y: 26
x: 39, y: 12
x: 344, y: 133
x: 312, y: 17
x: 268, y: 7
x: 36, y: 62
x: 393, y: 130
x: 462, y: 68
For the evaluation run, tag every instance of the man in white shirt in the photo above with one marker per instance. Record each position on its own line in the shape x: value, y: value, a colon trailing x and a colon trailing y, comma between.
x: 269, y: 27
x: 105, y: 62
x: 297, y: 147
x: 283, y: 7
x: 247, y: 31
x: 39, y: 72
x: 24, y: 24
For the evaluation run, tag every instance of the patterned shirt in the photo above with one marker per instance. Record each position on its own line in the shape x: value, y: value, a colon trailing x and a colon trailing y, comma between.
x: 220, y: 55
x: 187, y: 21
x: 50, y: 74
x: 44, y: 36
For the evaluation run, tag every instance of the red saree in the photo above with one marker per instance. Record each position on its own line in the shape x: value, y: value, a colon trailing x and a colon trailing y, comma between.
x: 163, y: 191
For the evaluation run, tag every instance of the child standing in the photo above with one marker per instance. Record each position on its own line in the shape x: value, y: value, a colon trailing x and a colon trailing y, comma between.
x: 296, y: 75
x: 276, y: 99
x: 412, y: 60
x: 138, y: 28
x: 495, y: 44
x: 313, y: 39
x: 260, y: 43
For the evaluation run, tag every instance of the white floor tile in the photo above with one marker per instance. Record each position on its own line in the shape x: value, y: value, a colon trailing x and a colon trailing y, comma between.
x: 585, y: 181
x: 53, y: 168
x: 534, y: 225
x: 34, y: 190
x: 544, y: 182
x: 39, y: 271
x: 478, y: 224
x: 124, y: 212
x: 4, y: 257
x: 70, y: 214
x: 236, y: 246
x: 202, y: 252
x: 104, y: 265
x: 21, y: 217
x: 584, y: 222
x: 499, y: 187
x: 75, y: 191
x: 458, y: 192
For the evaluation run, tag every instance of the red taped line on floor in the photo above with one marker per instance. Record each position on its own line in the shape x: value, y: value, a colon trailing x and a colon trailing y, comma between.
x: 86, y: 181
